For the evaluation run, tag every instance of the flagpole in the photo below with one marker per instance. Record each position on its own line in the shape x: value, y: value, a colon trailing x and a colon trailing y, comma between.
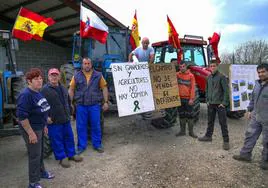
x: 16, y: 20
x: 80, y: 41
x: 174, y: 42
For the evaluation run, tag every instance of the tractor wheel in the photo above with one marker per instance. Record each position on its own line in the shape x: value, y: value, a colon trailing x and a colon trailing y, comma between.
x: 47, y: 150
x: 236, y: 114
x: 17, y: 85
x: 196, y: 107
x: 168, y: 120
x: 111, y: 89
x: 102, y: 123
x: 67, y: 72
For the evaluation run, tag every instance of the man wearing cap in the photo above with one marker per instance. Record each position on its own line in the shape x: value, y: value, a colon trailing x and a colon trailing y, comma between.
x: 59, y: 126
x: 89, y: 90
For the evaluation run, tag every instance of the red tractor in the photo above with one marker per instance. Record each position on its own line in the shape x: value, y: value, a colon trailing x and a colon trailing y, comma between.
x: 196, y: 54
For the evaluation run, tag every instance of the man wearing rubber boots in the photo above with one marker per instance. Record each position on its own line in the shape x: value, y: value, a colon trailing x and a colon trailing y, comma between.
x: 258, y: 111
x: 88, y: 88
x: 217, y: 96
x: 186, y: 84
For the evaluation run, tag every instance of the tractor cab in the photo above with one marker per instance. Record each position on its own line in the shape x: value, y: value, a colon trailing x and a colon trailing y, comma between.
x: 192, y: 47
x: 194, y: 53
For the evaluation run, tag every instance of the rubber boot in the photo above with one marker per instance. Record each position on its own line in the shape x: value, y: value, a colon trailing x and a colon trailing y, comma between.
x: 183, y: 126
x: 191, y: 128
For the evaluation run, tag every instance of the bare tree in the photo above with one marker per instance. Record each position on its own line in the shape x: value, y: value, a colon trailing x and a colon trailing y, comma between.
x: 251, y: 52
x: 227, y: 58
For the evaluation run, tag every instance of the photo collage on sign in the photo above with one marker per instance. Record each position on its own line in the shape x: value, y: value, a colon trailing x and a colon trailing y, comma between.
x: 242, y: 84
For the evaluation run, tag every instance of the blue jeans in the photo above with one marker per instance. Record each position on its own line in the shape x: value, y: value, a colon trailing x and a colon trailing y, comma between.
x: 61, y: 140
x: 85, y: 115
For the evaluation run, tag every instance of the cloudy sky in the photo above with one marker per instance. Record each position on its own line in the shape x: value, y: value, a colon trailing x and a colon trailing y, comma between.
x: 237, y: 20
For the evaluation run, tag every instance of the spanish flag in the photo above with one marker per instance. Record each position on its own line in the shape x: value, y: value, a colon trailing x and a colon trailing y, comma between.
x: 30, y: 25
x: 134, y: 37
x: 173, y: 38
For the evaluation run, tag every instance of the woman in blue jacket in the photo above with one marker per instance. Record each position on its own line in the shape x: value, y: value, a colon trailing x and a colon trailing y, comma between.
x: 32, y: 112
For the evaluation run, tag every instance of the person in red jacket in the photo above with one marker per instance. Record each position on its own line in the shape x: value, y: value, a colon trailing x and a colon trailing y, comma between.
x: 186, y: 84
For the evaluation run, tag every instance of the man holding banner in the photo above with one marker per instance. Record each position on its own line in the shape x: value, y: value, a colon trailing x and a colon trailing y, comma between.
x: 186, y: 84
x: 145, y: 53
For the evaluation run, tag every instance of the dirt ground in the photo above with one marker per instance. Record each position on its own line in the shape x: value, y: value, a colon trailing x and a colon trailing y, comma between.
x: 138, y: 155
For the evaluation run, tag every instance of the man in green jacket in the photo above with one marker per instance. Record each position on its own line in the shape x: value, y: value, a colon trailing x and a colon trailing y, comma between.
x: 217, y: 97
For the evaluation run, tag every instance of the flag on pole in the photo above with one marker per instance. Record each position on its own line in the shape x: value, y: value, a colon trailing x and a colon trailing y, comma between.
x: 91, y: 26
x: 30, y: 25
x: 173, y: 38
x: 134, y: 37
x: 214, y: 42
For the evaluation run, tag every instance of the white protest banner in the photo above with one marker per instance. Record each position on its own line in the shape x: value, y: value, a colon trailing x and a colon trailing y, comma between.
x: 242, y: 80
x: 132, y: 88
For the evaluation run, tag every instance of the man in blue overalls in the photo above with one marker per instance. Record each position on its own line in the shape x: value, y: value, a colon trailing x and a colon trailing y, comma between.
x: 59, y: 129
x: 88, y: 89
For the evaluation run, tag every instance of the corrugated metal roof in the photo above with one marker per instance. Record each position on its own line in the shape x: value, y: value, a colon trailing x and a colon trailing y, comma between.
x: 64, y: 12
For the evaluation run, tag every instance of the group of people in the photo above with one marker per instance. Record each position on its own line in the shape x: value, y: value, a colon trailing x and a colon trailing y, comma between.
x: 217, y: 98
x: 47, y: 110
x: 216, y: 95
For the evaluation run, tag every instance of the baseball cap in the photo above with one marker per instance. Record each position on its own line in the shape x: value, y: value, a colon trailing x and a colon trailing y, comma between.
x: 53, y: 71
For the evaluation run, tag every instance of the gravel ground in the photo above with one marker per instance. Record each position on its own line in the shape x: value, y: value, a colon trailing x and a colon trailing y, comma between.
x: 138, y: 155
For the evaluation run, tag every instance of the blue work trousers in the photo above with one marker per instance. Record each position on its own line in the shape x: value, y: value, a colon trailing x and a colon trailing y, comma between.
x: 61, y: 140
x: 88, y: 115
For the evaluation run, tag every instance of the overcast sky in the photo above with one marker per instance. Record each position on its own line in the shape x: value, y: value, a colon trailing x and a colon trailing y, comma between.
x: 237, y: 20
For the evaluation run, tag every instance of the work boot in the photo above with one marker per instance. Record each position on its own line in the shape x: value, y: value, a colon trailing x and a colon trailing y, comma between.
x: 242, y: 158
x: 191, y: 128
x: 34, y: 185
x: 182, y: 127
x: 76, y: 158
x: 205, y: 139
x: 100, y: 149
x: 65, y: 163
x: 264, y: 165
x: 226, y: 146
